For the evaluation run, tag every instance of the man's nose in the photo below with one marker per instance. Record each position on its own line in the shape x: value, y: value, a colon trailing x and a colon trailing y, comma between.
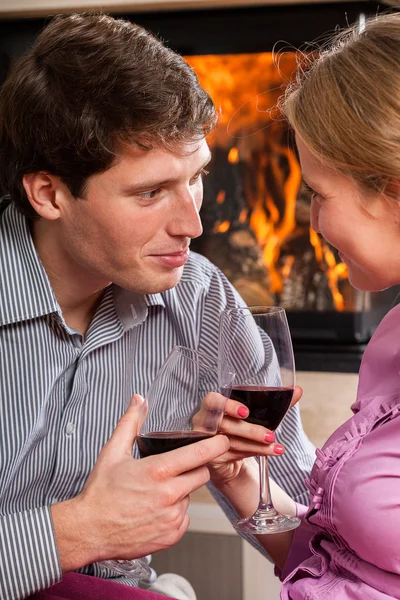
x: 186, y: 221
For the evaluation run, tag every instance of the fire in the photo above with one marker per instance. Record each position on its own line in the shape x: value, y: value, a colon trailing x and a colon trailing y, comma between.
x: 334, y: 271
x: 246, y: 87
x: 221, y: 197
x: 221, y: 227
x: 233, y: 155
x: 243, y: 216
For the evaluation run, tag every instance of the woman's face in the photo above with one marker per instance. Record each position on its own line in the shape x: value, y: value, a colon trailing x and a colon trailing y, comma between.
x: 364, y: 226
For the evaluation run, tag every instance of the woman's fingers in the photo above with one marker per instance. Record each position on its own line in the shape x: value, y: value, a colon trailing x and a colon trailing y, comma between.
x: 248, y: 431
x: 240, y: 449
x: 247, y: 439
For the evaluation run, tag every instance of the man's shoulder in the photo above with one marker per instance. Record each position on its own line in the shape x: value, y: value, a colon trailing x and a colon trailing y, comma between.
x: 5, y: 202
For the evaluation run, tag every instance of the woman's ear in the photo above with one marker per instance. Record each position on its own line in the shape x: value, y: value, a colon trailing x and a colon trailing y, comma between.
x: 42, y: 191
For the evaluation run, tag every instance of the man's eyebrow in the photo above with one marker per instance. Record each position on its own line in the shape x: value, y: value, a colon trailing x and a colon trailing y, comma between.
x: 155, y: 183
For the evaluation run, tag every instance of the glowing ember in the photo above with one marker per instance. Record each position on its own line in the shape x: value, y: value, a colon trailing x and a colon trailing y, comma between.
x: 221, y: 227
x: 221, y: 197
x: 233, y: 155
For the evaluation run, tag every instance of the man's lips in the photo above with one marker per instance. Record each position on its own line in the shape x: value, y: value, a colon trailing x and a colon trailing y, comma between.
x: 172, y: 259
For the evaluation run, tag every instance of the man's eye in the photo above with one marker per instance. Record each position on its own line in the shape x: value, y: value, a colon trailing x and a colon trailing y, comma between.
x: 148, y: 195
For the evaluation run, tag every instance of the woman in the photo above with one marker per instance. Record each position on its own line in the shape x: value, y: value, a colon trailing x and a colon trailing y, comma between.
x: 345, y: 111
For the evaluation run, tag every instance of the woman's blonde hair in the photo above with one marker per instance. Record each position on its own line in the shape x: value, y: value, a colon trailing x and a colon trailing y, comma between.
x: 345, y: 104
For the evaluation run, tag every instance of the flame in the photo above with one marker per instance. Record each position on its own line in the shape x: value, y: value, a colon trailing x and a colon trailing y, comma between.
x: 334, y: 270
x: 221, y: 227
x: 233, y: 156
x: 243, y: 215
x: 316, y: 243
x: 245, y: 87
x: 287, y: 267
x: 270, y: 228
x: 221, y: 197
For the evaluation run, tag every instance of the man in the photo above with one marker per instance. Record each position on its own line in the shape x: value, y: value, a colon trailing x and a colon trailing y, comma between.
x: 102, y: 154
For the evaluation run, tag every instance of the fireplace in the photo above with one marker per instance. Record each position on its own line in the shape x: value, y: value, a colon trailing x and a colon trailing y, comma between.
x: 256, y: 211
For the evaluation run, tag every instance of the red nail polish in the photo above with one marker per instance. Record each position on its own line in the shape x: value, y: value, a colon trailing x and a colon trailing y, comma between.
x: 278, y: 449
x: 269, y: 437
x: 243, y: 411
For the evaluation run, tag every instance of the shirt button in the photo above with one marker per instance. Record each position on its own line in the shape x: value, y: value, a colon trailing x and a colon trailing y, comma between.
x: 70, y: 428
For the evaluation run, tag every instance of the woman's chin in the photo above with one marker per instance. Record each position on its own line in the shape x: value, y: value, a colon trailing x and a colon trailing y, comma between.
x: 364, y: 283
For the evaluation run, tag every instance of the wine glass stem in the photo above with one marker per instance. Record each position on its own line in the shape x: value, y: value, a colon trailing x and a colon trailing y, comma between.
x: 265, y: 492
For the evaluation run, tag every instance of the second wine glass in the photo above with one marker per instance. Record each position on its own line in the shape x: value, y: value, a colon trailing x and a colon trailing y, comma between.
x: 255, y: 342
x: 180, y: 408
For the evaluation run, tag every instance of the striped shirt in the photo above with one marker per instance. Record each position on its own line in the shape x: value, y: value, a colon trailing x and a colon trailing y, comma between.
x: 61, y: 395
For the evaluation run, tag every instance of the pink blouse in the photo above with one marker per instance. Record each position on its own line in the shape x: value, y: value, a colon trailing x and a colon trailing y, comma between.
x: 348, y: 545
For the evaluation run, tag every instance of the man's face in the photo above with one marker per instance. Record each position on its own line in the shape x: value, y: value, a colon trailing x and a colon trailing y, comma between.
x: 135, y: 221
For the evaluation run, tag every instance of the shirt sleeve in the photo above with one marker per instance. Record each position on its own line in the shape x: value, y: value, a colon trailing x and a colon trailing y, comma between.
x: 292, y: 468
x: 28, y: 553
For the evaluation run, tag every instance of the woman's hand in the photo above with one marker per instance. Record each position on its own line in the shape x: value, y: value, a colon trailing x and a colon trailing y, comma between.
x: 246, y: 440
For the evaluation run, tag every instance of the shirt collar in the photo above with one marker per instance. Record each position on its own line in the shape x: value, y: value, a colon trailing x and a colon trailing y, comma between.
x: 25, y: 290
x: 132, y: 308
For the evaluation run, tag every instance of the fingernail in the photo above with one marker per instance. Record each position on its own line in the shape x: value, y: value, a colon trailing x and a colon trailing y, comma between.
x: 243, y: 411
x: 278, y: 449
x: 269, y: 437
x: 134, y: 400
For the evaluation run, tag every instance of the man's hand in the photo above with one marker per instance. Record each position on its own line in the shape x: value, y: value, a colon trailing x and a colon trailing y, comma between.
x: 246, y: 440
x: 130, y: 508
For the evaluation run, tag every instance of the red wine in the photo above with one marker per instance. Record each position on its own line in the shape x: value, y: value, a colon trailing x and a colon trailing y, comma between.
x: 267, y: 405
x: 157, y: 442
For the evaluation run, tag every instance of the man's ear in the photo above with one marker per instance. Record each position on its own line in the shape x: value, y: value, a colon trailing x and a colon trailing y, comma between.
x: 43, y: 192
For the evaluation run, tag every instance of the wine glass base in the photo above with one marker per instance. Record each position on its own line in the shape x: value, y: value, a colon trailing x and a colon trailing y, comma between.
x: 137, y: 568
x: 267, y: 522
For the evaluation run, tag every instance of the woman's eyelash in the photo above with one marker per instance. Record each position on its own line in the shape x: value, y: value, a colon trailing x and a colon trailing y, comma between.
x: 308, y: 188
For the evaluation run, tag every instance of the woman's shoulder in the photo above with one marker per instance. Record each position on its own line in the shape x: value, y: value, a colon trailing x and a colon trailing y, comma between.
x: 365, y: 495
x: 380, y: 366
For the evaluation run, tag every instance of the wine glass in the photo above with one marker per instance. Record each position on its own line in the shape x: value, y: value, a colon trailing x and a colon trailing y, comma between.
x: 255, y: 341
x: 179, y: 409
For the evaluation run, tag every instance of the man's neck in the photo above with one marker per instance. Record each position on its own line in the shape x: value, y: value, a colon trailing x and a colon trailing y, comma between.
x: 78, y: 294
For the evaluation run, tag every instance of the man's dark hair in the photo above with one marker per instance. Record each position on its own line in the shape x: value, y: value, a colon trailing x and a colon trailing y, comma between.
x: 89, y: 82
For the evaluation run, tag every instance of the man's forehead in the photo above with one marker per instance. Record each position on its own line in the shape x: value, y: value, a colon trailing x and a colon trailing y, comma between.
x: 181, y: 148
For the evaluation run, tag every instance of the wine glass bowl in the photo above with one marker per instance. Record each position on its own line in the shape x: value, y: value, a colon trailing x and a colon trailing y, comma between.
x: 255, y: 342
x: 185, y: 403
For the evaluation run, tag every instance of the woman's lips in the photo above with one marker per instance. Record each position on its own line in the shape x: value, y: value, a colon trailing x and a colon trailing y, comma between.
x: 173, y: 260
